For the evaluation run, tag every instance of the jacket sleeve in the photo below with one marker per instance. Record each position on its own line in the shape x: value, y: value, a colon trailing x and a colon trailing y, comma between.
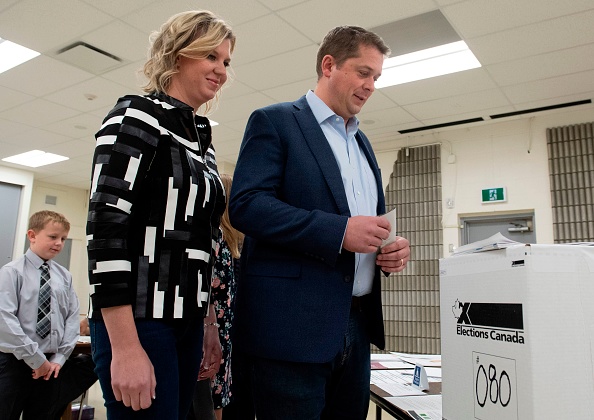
x: 276, y: 198
x: 125, y: 147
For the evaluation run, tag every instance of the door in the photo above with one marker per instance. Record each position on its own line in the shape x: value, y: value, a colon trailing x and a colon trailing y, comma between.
x: 10, y: 197
x: 517, y: 227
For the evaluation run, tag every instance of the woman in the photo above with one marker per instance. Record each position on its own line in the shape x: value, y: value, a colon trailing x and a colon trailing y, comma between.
x: 154, y: 213
x: 207, y: 407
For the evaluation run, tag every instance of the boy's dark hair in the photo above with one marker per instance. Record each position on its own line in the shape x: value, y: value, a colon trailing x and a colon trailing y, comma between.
x: 343, y: 43
x: 38, y: 220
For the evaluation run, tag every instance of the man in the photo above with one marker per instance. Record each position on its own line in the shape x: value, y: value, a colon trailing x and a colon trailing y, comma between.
x: 307, y: 193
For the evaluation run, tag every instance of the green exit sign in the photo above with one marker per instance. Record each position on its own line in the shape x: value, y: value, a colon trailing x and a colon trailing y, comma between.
x: 494, y: 195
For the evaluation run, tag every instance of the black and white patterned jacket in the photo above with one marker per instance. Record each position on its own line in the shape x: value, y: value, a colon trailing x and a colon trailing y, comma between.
x: 155, y: 206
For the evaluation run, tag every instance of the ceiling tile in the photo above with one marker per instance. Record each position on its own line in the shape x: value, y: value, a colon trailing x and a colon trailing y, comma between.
x: 35, y: 139
x: 473, y: 102
x: 253, y: 44
x: 331, y: 14
x: 130, y: 76
x: 291, y: 91
x: 554, y: 87
x: 42, y: 75
x: 440, y: 87
x: 546, y: 36
x: 74, y: 148
x: 79, y: 126
x: 109, y: 38
x: 385, y: 118
x: 10, y: 128
x: 38, y: 113
x: 273, y: 72
x: 543, y: 66
x: 11, y: 98
x: 119, y: 8
x: 479, y: 17
x: 49, y: 25
x: 90, y: 95
x: 151, y: 18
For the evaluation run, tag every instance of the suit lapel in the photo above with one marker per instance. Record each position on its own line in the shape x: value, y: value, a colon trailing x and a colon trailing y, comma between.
x: 315, y: 139
x: 366, y: 147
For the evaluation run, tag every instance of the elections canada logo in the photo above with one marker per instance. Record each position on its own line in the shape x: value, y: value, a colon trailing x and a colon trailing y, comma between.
x: 490, y: 321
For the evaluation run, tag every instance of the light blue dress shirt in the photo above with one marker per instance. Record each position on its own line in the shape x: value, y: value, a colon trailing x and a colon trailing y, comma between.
x: 19, y: 292
x: 357, y: 177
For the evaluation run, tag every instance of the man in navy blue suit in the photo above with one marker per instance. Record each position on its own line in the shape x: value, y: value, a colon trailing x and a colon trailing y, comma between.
x: 307, y: 193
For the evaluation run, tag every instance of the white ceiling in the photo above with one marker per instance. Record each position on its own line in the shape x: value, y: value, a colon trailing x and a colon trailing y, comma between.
x: 534, y: 54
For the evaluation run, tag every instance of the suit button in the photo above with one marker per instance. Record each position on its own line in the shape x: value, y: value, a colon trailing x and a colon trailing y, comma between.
x: 348, y: 279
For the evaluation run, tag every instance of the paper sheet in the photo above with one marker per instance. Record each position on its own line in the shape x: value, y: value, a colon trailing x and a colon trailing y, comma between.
x: 391, y: 217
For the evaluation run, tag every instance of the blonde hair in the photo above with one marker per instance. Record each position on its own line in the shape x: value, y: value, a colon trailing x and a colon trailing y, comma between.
x: 40, y: 219
x: 232, y: 236
x: 192, y: 34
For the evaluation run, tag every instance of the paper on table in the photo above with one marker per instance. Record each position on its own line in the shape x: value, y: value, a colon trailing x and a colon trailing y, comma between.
x: 391, y: 217
x: 393, y: 382
x: 497, y: 241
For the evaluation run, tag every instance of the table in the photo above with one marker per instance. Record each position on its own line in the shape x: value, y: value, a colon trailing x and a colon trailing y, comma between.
x: 378, y: 397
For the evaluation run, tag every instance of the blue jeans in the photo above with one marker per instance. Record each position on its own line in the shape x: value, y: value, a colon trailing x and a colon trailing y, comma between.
x: 338, y: 389
x: 175, y: 350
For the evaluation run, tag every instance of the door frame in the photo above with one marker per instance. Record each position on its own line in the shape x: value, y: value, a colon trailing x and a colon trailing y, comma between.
x: 467, y: 219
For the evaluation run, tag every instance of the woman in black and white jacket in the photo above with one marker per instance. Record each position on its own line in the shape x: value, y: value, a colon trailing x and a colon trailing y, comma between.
x: 155, y: 206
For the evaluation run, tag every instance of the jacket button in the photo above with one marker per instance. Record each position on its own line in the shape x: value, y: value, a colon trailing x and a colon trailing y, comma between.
x: 348, y: 279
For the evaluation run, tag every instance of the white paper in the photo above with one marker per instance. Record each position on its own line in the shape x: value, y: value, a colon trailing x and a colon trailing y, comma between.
x: 391, y: 217
x: 394, y: 383
x: 497, y: 241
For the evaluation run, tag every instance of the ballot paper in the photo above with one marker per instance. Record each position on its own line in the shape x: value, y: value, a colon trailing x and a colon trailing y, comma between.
x: 391, y: 217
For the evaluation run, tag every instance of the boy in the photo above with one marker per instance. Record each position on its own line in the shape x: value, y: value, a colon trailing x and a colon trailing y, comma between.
x: 39, y: 327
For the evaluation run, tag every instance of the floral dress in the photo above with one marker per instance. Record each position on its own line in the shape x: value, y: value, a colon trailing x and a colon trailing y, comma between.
x: 222, y: 296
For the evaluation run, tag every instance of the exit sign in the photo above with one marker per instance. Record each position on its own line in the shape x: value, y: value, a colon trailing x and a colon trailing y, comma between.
x: 494, y: 195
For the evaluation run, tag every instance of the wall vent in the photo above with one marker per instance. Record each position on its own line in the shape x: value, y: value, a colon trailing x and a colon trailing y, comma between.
x: 540, y: 109
x: 448, y: 124
x: 496, y: 116
x: 51, y: 199
x: 88, y: 57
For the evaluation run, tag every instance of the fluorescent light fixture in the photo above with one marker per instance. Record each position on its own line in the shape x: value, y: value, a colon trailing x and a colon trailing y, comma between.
x: 35, y: 158
x: 11, y: 55
x: 432, y: 62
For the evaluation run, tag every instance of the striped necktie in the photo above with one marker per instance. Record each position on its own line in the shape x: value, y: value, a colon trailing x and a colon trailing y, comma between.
x: 45, y: 300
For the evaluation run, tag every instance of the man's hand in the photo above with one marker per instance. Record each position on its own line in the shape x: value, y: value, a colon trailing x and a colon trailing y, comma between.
x: 393, y: 257
x: 364, y: 234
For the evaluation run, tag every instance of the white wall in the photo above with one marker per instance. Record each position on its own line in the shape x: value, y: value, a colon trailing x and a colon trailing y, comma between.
x: 511, y: 154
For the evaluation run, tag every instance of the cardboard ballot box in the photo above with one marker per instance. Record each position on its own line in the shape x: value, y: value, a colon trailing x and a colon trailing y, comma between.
x: 517, y: 330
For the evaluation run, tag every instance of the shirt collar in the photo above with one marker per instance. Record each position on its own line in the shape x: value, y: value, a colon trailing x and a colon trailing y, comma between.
x: 35, y: 259
x: 322, y: 111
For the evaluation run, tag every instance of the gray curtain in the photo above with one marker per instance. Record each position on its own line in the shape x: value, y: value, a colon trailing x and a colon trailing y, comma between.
x: 411, y: 298
x: 571, y: 169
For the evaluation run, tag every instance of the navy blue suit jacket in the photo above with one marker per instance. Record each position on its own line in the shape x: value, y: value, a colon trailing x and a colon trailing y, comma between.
x: 295, y: 287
